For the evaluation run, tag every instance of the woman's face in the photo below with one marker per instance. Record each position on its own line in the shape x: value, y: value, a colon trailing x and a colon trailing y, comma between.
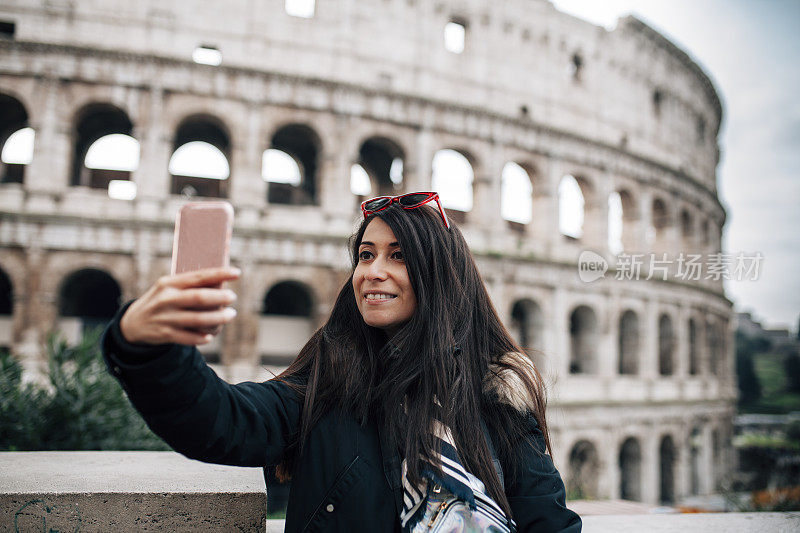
x: 380, y: 282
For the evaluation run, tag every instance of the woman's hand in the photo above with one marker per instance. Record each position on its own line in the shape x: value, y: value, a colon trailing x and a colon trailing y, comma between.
x: 182, y: 309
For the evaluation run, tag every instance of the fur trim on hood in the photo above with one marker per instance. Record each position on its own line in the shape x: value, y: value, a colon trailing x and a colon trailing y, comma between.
x: 507, y: 386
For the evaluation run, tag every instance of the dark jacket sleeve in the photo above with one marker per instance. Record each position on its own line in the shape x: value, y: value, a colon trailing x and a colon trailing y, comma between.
x: 200, y: 415
x: 535, y: 491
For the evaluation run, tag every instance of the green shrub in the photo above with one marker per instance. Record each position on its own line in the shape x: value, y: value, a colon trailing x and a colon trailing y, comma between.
x: 79, y: 407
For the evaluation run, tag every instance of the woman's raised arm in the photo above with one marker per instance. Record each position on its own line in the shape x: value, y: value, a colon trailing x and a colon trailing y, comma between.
x: 149, y: 348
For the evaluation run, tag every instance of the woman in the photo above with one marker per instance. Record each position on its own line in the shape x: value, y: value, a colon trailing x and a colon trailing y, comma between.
x: 412, y: 374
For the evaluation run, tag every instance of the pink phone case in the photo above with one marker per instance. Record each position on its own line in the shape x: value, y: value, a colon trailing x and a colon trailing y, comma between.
x: 202, y: 236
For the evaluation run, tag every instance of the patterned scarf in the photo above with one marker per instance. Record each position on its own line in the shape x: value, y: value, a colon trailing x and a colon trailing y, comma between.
x: 462, y: 484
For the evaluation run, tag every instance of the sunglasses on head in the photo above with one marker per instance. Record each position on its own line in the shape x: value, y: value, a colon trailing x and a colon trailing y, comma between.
x: 411, y: 200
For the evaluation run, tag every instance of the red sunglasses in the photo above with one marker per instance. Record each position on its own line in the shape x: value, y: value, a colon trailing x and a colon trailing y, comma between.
x: 411, y: 200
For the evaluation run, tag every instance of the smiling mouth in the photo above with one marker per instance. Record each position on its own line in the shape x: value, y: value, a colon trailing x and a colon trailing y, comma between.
x: 379, y: 297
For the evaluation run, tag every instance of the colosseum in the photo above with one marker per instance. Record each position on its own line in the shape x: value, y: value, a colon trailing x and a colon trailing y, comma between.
x: 305, y: 108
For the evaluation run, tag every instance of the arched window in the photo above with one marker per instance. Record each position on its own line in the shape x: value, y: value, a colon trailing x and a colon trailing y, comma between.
x: 695, y: 447
x: 199, y: 165
x: 286, y: 322
x: 111, y: 159
x: 583, y: 341
x: 570, y: 207
x: 106, y: 124
x: 360, y: 184
x: 667, y: 457
x: 584, y: 470
x: 16, y: 140
x: 516, y: 194
x: 687, y: 226
x: 666, y: 343
x: 452, y: 179
x: 630, y: 470
x: 694, y: 359
x: 301, y: 144
x: 629, y: 343
x: 527, y: 324
x: 382, y: 161
x: 660, y: 218
x: 6, y: 310
x: 89, y: 296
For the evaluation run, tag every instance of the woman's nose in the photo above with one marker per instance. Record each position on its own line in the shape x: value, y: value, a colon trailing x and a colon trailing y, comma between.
x: 377, y: 269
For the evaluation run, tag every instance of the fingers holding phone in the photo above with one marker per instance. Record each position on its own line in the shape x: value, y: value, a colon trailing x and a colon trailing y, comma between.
x: 181, y: 308
x: 189, y: 306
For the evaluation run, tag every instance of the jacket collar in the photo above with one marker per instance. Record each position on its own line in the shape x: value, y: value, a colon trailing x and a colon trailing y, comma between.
x: 507, y: 386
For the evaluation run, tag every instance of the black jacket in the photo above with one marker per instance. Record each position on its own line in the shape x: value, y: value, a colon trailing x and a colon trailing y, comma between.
x: 347, y: 479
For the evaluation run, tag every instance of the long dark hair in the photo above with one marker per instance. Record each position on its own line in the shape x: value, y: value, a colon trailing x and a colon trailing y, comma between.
x: 444, y: 352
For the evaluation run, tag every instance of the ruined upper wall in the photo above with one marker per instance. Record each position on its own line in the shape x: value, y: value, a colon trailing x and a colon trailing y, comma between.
x: 634, y: 90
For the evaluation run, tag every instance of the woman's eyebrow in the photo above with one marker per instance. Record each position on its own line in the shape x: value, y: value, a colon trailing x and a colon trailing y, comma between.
x: 369, y: 243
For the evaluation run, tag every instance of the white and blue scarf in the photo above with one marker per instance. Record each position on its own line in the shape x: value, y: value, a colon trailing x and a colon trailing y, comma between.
x: 462, y: 484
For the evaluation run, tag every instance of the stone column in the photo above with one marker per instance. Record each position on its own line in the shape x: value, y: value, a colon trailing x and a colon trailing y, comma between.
x: 486, y: 194
x: 649, y: 341
x: 595, y: 220
x: 334, y: 176
x: 560, y: 328
x: 609, y: 471
x: 608, y: 339
x: 248, y: 190
x: 706, y: 458
x: 48, y: 172
x: 544, y: 224
x: 152, y: 174
x: 651, y: 469
x: 420, y: 178
x: 646, y: 236
x: 681, y: 348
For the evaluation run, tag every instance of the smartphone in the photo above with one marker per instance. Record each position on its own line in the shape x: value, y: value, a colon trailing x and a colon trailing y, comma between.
x: 202, y: 236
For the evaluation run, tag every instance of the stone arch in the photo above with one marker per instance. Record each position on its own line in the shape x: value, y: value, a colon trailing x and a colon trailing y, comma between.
x: 705, y: 232
x: 288, y: 298
x: 453, y: 176
x: 90, y: 295
x: 6, y: 294
x: 622, y: 217
x: 712, y: 343
x: 516, y: 195
x: 6, y: 310
x: 213, y: 140
x: 91, y: 123
x: 583, y: 331
x: 13, y: 119
x: 286, y: 321
x: 383, y: 159
x: 629, y: 343
x: 667, y: 454
x: 661, y: 218
x: 527, y: 327
x: 584, y: 471
x: 630, y: 470
x: 304, y: 145
x: 575, y: 194
x: 694, y: 352
x: 716, y: 459
x: 687, y: 227
x: 666, y: 346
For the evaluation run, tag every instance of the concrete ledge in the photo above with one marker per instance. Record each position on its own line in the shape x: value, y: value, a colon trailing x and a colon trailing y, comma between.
x: 127, y: 491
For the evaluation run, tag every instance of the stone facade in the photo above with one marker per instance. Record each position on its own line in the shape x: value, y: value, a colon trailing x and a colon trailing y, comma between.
x: 641, y: 374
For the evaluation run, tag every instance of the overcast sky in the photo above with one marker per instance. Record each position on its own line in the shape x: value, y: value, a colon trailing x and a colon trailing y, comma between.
x: 749, y: 48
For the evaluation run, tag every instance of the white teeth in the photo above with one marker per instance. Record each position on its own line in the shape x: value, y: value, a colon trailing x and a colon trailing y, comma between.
x: 379, y: 296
